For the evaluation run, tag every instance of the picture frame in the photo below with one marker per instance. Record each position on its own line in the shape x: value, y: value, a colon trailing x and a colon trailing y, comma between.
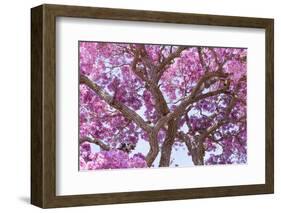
x: 43, y: 105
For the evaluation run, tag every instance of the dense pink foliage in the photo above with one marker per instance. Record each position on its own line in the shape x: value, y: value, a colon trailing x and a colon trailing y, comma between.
x: 213, y: 127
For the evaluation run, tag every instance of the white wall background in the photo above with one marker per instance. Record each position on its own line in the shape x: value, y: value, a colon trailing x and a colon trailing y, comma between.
x: 15, y: 104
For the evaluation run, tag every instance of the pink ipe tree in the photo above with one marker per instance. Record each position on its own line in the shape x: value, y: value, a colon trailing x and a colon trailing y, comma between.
x: 165, y: 98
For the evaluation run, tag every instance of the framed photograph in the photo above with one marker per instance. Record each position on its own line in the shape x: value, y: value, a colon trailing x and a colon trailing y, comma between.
x: 136, y: 106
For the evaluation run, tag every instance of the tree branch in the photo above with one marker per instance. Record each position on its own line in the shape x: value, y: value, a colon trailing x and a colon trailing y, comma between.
x: 161, y: 105
x: 180, y: 109
x: 183, y: 137
x: 94, y: 141
x: 203, y: 65
x: 126, y: 111
x: 161, y: 67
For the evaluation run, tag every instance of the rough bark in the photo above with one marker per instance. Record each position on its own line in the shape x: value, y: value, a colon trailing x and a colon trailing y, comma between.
x: 154, y: 149
x: 167, y: 145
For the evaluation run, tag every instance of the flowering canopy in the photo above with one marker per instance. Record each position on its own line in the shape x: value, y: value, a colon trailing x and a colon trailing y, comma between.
x: 165, y: 97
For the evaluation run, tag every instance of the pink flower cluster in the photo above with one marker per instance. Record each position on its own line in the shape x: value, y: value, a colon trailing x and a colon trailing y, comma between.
x: 112, y: 159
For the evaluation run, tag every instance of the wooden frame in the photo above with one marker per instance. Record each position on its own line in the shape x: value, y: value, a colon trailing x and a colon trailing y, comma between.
x: 43, y: 98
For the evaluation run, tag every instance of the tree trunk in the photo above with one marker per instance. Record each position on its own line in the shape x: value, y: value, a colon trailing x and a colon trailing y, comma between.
x: 198, y: 153
x: 197, y: 159
x: 154, y: 149
x: 167, y: 146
